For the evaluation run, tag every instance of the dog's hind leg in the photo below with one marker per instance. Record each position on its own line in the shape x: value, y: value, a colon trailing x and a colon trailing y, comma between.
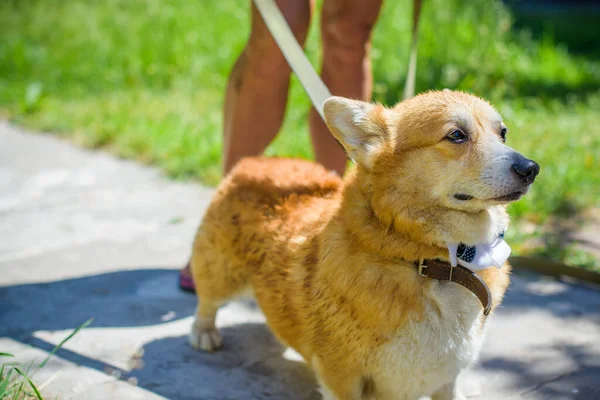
x: 204, y: 334
x: 218, y: 278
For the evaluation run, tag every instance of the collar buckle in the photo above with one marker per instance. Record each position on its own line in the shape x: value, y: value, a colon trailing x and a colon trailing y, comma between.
x: 421, y: 267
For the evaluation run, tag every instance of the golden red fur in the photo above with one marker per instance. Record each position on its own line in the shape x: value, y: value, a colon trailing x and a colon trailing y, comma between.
x: 330, y: 262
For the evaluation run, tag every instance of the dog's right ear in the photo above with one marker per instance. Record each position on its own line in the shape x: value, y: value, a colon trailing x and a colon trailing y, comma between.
x: 359, y: 126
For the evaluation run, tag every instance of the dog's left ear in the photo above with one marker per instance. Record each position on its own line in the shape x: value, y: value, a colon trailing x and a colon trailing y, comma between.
x: 359, y: 126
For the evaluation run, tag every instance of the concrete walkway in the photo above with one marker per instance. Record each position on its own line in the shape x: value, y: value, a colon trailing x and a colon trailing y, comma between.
x: 86, y: 235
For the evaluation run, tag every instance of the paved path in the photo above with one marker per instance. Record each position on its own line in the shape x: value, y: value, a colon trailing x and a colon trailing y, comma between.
x: 86, y: 235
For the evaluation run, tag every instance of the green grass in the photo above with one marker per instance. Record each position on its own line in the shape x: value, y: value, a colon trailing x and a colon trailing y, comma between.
x: 146, y: 81
x: 17, y: 383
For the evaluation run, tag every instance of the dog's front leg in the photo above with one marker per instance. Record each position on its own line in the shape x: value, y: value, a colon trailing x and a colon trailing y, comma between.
x: 449, y: 391
x: 341, y: 382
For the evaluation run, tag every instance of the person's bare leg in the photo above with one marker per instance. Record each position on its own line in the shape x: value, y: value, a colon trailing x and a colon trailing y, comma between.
x: 346, y: 27
x: 257, y: 92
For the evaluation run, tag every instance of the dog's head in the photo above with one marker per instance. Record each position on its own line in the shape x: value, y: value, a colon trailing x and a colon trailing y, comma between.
x: 444, y: 147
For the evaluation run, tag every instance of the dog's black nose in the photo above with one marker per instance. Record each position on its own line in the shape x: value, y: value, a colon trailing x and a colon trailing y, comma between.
x: 526, y: 169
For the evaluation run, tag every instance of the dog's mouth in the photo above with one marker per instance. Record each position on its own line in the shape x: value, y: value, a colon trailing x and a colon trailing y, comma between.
x: 510, y: 197
x: 516, y: 195
x: 463, y: 197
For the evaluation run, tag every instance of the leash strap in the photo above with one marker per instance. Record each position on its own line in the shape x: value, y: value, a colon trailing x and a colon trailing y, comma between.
x: 293, y: 53
x: 411, y: 72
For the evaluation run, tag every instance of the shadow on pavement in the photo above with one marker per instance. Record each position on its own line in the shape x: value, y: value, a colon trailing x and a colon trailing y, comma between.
x: 249, y: 366
x: 529, y: 292
x: 582, y: 369
x: 117, y: 299
x: 251, y: 363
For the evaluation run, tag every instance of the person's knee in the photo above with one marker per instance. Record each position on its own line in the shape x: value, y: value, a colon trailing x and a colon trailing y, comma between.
x: 346, y: 34
x: 262, y: 56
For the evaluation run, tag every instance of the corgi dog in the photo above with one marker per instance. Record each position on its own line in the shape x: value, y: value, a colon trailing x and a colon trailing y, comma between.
x: 337, y: 265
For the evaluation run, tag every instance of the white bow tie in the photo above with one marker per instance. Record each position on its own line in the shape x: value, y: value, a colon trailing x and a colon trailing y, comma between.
x: 480, y: 256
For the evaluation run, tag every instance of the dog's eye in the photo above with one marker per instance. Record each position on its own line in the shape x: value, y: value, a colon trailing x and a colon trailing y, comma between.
x: 503, y: 133
x: 457, y: 136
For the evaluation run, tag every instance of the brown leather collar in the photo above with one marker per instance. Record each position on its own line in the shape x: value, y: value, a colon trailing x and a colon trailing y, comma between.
x: 443, y: 271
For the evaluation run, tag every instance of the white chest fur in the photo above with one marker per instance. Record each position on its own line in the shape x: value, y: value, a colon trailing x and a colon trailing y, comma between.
x: 430, y: 353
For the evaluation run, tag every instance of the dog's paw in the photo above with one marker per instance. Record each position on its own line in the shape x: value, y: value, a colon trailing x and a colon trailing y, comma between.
x: 208, y: 340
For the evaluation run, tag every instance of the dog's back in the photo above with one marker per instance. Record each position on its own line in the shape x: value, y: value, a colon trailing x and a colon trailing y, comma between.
x: 273, y: 182
x: 262, y: 206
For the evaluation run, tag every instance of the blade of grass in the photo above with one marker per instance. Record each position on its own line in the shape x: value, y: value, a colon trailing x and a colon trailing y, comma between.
x: 29, y: 376
x: 6, y: 355
x: 35, y: 389
x: 58, y: 346
x: 4, y: 383
x: 29, y: 368
x: 47, y: 381
x: 8, y: 392
x: 27, y: 392
x: 19, y: 390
